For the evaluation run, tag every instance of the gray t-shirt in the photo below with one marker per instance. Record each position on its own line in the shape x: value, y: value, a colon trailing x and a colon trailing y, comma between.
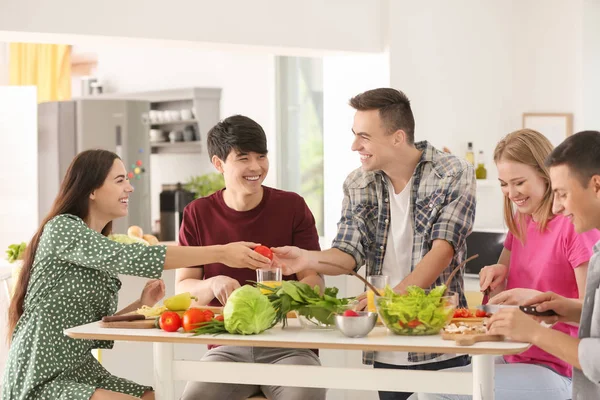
x: 586, y: 383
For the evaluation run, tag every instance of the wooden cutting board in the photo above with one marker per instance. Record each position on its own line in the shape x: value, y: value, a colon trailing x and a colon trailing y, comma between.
x: 139, y: 324
x: 465, y: 339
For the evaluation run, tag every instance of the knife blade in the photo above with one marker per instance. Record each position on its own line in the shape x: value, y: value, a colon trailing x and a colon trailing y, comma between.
x: 531, y: 310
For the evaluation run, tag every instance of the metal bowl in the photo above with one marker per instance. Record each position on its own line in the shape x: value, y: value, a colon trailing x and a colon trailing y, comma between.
x: 358, y: 326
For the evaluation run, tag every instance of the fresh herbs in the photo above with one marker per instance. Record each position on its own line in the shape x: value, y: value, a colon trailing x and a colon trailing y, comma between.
x: 300, y: 297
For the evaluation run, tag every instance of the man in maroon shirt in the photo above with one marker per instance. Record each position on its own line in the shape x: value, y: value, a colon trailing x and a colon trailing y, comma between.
x: 244, y: 211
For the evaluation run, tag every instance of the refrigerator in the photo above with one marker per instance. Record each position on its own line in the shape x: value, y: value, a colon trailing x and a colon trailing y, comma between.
x: 66, y: 128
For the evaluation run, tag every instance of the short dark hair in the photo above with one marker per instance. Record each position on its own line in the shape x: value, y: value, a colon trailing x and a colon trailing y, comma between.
x: 394, y: 109
x: 581, y: 153
x: 237, y: 133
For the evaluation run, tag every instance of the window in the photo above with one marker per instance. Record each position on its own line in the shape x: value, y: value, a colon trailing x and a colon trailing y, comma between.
x: 300, y: 130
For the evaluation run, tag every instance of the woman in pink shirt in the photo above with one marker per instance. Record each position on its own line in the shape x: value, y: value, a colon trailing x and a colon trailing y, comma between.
x: 542, y: 252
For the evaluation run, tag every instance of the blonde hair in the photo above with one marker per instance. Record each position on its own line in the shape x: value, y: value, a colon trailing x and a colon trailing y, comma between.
x: 531, y: 148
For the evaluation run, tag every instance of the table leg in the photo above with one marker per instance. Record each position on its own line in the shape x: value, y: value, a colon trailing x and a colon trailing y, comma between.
x: 163, y: 371
x: 483, y: 377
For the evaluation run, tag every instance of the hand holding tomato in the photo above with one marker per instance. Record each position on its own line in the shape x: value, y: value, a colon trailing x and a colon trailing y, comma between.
x: 265, y: 251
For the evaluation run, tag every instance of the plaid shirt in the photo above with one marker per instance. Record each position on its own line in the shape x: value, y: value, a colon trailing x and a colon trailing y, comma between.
x: 442, y: 206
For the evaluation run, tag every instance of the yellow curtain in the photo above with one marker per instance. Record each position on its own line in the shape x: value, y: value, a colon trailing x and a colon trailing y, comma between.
x: 47, y: 66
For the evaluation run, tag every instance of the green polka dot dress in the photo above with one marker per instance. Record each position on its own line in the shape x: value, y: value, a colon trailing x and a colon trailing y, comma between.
x: 73, y: 282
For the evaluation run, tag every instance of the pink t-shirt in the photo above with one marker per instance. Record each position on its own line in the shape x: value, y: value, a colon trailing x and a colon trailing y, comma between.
x: 546, y: 262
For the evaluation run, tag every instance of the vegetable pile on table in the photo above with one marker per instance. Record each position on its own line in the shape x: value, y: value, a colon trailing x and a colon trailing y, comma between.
x: 306, y: 301
x: 247, y: 312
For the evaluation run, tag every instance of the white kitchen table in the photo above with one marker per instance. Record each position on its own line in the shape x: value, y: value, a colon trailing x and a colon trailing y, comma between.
x: 479, y: 383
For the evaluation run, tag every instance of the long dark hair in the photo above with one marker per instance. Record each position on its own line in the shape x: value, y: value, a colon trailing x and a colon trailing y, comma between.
x: 87, y: 172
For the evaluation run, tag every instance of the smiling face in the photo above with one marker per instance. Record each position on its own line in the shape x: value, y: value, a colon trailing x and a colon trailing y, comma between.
x: 375, y: 145
x: 578, y: 203
x: 110, y: 201
x: 522, y: 185
x: 243, y: 172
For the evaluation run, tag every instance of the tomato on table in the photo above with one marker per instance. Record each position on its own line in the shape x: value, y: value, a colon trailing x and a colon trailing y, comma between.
x: 170, y: 321
x: 481, y: 314
x: 265, y: 251
x: 220, y: 318
x: 193, y: 317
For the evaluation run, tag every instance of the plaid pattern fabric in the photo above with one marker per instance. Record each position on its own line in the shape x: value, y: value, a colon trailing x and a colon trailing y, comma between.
x: 443, y: 208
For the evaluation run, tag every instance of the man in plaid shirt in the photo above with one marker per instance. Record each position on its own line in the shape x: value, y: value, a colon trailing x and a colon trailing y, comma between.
x: 406, y: 214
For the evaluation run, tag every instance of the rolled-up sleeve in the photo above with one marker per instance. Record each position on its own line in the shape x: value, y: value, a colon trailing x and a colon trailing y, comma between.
x: 348, y: 238
x: 455, y: 220
x: 589, y: 358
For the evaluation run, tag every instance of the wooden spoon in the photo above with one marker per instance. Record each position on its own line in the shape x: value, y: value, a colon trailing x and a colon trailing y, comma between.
x: 351, y: 272
x: 458, y: 267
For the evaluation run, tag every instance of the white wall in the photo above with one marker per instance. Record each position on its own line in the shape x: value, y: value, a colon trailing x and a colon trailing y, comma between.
x: 471, y: 69
x: 18, y: 182
x: 248, y: 87
x: 18, y: 165
x: 591, y: 65
x: 291, y: 24
x: 4, y: 69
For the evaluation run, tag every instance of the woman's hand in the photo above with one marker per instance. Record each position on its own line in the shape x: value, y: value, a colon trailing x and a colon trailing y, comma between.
x: 242, y: 255
x: 492, y: 277
x: 515, y: 324
x: 152, y: 293
x: 514, y: 297
x: 568, y: 310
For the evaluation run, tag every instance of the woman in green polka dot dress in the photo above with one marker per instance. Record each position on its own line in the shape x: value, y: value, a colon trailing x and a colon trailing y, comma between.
x: 70, y: 278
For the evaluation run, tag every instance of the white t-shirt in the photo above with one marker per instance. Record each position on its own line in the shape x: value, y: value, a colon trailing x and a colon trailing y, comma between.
x: 398, y: 259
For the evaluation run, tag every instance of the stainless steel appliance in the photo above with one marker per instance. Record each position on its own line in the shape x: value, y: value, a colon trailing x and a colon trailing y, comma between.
x: 68, y: 127
x: 173, y: 200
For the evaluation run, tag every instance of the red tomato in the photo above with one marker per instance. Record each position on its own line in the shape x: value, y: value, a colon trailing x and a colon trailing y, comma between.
x: 192, y: 319
x: 414, y: 323
x: 265, y: 251
x: 170, y: 321
x: 480, y: 314
x: 350, y: 313
x: 220, y: 318
x: 208, y: 315
x: 462, y: 313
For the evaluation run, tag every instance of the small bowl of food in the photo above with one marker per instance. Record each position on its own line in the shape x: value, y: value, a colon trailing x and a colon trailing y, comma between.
x: 356, y: 324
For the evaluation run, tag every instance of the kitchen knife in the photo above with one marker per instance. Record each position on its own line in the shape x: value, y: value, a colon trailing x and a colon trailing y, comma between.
x: 492, y: 308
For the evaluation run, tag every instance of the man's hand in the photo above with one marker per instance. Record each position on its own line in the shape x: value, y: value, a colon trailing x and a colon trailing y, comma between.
x: 568, y: 310
x: 242, y: 255
x: 152, y: 293
x: 291, y: 259
x: 515, y: 324
x: 492, y: 276
x: 222, y: 286
x: 514, y: 297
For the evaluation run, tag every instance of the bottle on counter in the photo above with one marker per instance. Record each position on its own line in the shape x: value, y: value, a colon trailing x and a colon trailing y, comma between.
x: 481, y: 172
x: 470, y: 156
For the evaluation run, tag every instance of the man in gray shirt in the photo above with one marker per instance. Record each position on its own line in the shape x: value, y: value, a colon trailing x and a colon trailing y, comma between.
x: 575, y: 175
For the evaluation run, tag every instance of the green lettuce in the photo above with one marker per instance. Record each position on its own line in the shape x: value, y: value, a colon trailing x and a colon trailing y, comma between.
x: 416, y: 312
x: 248, y: 311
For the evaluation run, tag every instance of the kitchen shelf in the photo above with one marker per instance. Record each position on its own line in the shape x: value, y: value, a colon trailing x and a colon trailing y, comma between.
x: 176, y: 148
x: 179, y: 122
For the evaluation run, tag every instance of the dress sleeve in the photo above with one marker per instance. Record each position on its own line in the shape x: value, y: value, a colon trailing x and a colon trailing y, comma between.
x: 73, y: 241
